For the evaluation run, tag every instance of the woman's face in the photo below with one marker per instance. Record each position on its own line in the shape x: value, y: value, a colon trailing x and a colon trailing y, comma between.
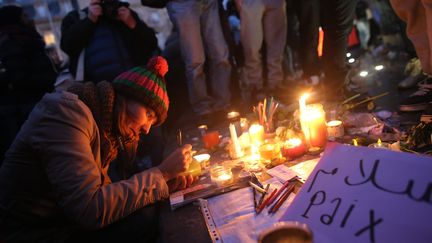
x: 139, y: 118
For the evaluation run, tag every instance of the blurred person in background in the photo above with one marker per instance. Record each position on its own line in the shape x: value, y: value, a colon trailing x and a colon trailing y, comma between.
x: 26, y: 72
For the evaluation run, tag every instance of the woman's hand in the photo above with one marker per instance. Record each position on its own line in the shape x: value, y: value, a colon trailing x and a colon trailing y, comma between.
x: 181, y: 182
x: 177, y: 162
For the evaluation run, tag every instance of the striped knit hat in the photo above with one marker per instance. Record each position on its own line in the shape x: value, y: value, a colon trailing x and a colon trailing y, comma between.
x: 146, y: 85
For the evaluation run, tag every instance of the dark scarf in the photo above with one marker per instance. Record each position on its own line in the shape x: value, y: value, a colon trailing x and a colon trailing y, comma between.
x: 100, y: 99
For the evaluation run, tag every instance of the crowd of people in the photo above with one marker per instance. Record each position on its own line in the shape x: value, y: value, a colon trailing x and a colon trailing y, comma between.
x: 70, y: 137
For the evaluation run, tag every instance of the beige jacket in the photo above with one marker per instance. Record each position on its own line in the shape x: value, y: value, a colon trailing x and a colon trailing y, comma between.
x: 52, y: 180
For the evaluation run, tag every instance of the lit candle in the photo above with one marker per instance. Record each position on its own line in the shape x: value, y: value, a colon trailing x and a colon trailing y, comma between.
x: 380, y: 145
x: 355, y: 143
x: 256, y: 134
x: 235, y: 142
x: 312, y: 120
x: 293, y: 148
x: 335, y: 129
x: 302, y: 102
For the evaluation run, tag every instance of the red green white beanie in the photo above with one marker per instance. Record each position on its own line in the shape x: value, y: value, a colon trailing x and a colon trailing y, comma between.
x: 147, y: 86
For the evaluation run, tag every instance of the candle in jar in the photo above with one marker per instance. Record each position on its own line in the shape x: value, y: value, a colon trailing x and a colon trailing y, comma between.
x: 221, y: 175
x: 335, y: 129
x: 269, y: 151
x: 380, y: 145
x: 293, y: 148
x: 256, y: 134
x: 312, y: 120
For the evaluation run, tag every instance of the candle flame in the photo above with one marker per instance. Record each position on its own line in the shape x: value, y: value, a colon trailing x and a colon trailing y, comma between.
x: 355, y: 142
x: 379, y: 142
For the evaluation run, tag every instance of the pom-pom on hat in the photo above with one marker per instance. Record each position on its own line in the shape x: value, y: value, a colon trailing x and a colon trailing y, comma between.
x: 147, y: 86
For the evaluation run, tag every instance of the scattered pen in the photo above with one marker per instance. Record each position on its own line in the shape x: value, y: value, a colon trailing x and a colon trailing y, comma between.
x: 254, y: 199
x: 271, y: 200
x: 263, y: 195
x: 256, y: 187
x: 263, y: 204
x: 282, y: 199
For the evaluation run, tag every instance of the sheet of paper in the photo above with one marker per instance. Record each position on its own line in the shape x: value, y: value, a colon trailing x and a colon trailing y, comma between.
x: 235, y: 218
x: 360, y: 194
x: 304, y: 169
x: 282, y: 173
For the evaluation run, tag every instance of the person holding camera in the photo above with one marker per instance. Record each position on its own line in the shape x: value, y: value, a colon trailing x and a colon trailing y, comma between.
x: 105, y: 39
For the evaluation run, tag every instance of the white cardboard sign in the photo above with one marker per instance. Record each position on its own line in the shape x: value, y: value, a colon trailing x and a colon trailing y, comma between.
x: 360, y: 194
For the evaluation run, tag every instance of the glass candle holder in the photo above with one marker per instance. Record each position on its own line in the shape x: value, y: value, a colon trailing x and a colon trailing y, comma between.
x: 312, y: 120
x: 293, y: 148
x: 221, y: 175
x: 269, y: 150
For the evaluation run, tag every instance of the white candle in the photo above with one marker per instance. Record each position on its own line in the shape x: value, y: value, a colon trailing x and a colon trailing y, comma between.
x: 256, y: 134
x: 302, y: 102
x: 238, y: 153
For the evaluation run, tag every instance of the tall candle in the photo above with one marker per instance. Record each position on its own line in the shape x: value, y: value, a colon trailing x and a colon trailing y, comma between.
x: 302, y: 102
x: 237, y: 149
x: 256, y: 134
x: 312, y: 120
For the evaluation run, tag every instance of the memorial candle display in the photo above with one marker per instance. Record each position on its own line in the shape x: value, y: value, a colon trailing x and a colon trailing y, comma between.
x: 312, y: 120
x: 293, y: 148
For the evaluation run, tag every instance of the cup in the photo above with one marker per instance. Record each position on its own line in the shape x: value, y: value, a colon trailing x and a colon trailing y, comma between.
x: 286, y: 232
x: 211, y: 140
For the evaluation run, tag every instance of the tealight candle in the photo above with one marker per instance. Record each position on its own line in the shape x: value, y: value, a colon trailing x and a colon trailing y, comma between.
x: 380, y: 145
x: 335, y: 129
x: 221, y: 176
x: 293, y: 148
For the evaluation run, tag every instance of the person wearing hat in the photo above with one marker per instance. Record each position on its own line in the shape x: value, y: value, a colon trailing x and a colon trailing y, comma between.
x: 54, y: 184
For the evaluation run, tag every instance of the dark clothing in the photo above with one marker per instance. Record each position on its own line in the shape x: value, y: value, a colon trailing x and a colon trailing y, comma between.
x: 110, y: 46
x: 337, y: 21
x: 154, y: 3
x: 26, y: 73
x: 308, y: 14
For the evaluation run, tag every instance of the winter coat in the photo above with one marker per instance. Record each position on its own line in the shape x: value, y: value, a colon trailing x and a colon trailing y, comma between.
x: 114, y: 46
x: 52, y: 181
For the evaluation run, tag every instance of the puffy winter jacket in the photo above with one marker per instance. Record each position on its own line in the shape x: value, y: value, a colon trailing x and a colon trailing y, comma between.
x: 52, y: 180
